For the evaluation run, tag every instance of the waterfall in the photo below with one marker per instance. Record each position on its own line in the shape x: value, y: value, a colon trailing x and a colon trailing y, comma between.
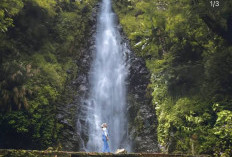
x: 107, y: 97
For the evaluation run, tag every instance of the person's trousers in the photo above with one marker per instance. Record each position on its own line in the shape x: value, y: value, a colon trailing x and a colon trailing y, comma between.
x: 106, y: 148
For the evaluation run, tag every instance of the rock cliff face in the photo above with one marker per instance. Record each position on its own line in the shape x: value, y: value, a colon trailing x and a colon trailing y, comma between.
x: 141, y: 115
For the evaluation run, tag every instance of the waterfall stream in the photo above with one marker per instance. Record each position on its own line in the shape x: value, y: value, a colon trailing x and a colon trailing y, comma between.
x: 107, y: 98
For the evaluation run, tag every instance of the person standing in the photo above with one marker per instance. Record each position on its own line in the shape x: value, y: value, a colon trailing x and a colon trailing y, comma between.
x: 105, y: 138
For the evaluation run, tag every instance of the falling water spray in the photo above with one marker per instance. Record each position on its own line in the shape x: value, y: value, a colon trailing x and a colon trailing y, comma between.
x: 107, y: 97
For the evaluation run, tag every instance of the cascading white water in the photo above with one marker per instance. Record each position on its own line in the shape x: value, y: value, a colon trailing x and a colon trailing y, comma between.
x: 107, y: 101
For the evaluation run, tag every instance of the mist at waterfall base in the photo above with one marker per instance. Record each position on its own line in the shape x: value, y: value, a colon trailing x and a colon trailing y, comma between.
x: 107, y: 97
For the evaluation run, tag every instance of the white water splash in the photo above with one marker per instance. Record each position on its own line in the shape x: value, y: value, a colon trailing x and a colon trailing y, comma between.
x: 107, y: 101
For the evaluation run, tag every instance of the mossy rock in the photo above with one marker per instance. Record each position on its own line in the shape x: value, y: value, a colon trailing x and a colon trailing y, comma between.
x: 20, y: 153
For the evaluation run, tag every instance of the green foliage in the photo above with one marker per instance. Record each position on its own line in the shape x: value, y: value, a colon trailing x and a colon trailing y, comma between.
x: 48, y: 5
x: 40, y: 39
x: 187, y: 48
x: 20, y: 153
x: 13, y: 90
x: 8, y: 9
x: 223, y: 125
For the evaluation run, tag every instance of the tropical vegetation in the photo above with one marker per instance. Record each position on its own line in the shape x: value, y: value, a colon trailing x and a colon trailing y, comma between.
x: 39, y: 41
x: 187, y: 48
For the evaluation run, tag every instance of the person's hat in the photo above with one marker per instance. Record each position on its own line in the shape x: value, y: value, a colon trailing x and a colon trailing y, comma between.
x: 104, y: 125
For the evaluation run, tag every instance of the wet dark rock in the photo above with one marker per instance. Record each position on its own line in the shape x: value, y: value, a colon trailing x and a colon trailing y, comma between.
x: 74, y: 82
x: 59, y: 117
x: 140, y: 107
x: 66, y: 124
x: 83, y: 88
x: 69, y: 71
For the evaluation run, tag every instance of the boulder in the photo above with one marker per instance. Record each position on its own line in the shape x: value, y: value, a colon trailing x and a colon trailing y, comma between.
x: 120, y: 151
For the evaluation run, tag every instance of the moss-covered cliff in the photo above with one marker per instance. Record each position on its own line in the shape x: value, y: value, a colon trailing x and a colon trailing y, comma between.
x: 187, y: 48
x: 41, y: 43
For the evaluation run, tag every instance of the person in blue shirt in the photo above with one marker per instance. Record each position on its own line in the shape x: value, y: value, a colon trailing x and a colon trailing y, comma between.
x: 105, y: 138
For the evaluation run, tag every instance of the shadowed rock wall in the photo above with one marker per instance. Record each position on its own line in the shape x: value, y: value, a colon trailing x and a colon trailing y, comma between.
x: 141, y: 114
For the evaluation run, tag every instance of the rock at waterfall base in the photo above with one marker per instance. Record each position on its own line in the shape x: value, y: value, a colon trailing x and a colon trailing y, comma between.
x: 120, y: 151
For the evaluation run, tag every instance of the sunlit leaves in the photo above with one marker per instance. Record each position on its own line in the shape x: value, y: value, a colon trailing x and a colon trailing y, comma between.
x: 8, y: 9
x: 49, y: 5
x: 224, y: 125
